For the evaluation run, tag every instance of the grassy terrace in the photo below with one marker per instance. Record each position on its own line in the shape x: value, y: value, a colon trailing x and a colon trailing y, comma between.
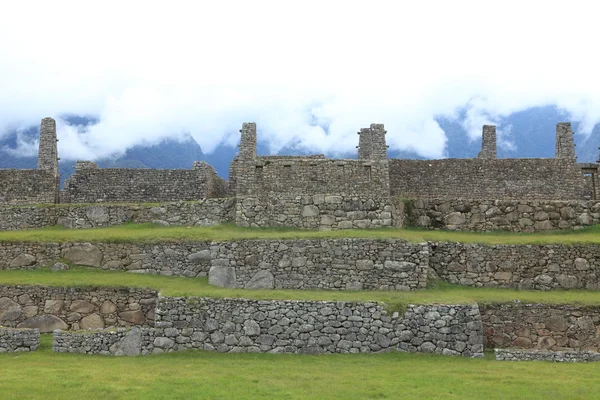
x: 175, y: 286
x: 204, y: 375
x: 152, y: 233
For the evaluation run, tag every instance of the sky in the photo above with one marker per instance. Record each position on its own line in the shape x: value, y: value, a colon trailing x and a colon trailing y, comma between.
x: 309, y: 73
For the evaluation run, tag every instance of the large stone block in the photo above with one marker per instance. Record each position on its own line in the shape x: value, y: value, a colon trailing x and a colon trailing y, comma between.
x: 222, y: 276
x: 84, y: 254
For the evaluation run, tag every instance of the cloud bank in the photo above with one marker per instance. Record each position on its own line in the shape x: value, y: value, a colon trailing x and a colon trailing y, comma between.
x: 309, y: 73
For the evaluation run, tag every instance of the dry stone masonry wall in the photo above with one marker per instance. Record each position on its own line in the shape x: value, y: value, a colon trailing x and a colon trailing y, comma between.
x: 48, y: 308
x: 344, y: 264
x: 90, y: 184
x: 18, y: 340
x: 211, y: 211
x: 480, y: 178
x: 330, y: 263
x: 539, y: 267
x: 541, y: 326
x: 509, y: 215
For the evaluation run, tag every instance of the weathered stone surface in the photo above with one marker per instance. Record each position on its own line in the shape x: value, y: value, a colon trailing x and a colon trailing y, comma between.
x: 44, y: 322
x: 222, y: 276
x: 136, y: 317
x: 261, y: 280
x: 23, y: 260
x: 9, y: 310
x: 83, y: 254
x: 82, y: 306
x: 92, y: 321
x: 108, y: 307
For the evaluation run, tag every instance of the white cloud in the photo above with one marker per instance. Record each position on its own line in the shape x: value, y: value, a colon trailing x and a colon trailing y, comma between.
x: 150, y: 70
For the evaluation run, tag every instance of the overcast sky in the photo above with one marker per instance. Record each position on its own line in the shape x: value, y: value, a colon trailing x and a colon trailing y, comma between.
x: 309, y: 73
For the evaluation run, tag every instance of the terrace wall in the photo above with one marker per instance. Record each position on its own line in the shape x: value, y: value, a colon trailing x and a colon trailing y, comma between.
x: 211, y: 211
x: 47, y: 308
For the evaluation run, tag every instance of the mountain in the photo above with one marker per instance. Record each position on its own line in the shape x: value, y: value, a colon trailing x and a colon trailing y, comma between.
x: 531, y: 133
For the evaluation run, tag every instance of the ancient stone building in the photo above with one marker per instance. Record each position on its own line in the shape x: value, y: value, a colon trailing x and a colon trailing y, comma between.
x: 31, y: 186
x: 317, y: 192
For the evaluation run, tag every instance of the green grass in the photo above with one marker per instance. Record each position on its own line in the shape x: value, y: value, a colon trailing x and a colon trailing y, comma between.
x: 176, y: 286
x: 153, y: 233
x: 203, y: 375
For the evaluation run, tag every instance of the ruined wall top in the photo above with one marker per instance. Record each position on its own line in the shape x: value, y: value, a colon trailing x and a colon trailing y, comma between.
x: 48, y: 151
x: 488, y: 142
x: 565, y: 145
x: 247, y: 142
x: 372, y: 144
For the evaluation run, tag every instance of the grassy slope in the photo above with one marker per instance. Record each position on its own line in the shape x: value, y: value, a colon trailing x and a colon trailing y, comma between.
x: 203, y: 375
x: 176, y: 286
x: 153, y: 233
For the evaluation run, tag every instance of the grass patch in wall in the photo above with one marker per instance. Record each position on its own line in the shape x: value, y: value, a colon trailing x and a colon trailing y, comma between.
x: 140, y: 233
x: 442, y: 293
x: 209, y: 375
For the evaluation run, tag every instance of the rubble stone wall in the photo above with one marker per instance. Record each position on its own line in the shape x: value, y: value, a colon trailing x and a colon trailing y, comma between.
x: 47, y: 308
x: 211, y: 211
x: 18, y: 340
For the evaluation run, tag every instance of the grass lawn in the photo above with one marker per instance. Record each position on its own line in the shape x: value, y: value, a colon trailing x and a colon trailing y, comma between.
x: 225, y: 232
x: 176, y: 286
x: 204, y: 375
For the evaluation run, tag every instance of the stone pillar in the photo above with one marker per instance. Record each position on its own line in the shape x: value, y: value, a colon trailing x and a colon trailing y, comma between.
x: 248, y: 142
x: 372, y: 144
x: 48, y: 151
x: 379, y: 144
x: 488, y: 142
x: 565, y: 145
x: 365, y: 143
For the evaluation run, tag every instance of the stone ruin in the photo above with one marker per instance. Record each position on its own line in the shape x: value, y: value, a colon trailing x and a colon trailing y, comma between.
x: 320, y: 193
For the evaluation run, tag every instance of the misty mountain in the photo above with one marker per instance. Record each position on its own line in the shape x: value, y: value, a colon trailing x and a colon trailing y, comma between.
x: 529, y: 133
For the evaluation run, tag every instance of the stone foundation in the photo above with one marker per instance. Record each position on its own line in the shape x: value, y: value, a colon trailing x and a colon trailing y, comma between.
x: 508, y: 215
x: 197, y: 213
x: 18, y: 340
x: 319, y: 211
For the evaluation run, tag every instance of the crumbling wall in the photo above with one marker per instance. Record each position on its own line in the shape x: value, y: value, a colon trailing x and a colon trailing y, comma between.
x: 90, y: 184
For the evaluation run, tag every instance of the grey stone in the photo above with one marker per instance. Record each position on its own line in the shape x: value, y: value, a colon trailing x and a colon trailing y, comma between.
x: 83, y: 254
x: 222, y: 276
x: 45, y: 323
x: 261, y: 280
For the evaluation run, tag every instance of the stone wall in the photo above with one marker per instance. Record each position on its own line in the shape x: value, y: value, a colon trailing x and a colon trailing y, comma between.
x: 211, y: 211
x: 90, y: 184
x: 18, y: 340
x: 319, y: 211
x: 240, y: 325
x: 541, y: 355
x: 539, y: 267
x: 189, y: 259
x: 480, y: 178
x: 320, y: 264
x: 47, y: 308
x: 28, y: 186
x: 541, y: 326
x: 116, y: 342
x: 509, y: 215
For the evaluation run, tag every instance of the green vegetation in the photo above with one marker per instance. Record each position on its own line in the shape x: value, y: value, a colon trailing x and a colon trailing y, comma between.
x: 176, y: 286
x: 204, y: 375
x: 153, y: 233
